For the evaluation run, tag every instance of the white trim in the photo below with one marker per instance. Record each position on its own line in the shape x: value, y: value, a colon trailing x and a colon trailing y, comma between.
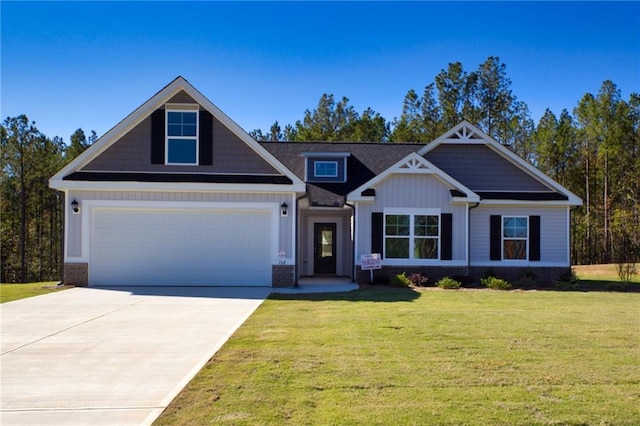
x: 413, y: 163
x: 527, y: 203
x: 89, y: 205
x: 143, y: 111
x: 167, y: 110
x: 422, y: 262
x: 326, y: 154
x: 502, y: 239
x: 520, y: 264
x: 315, y: 168
x: 411, y: 212
x: 175, y: 186
x: 505, y: 152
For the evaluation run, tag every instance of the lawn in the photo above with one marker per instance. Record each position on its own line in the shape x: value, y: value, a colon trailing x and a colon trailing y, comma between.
x: 382, y: 355
x: 9, y: 292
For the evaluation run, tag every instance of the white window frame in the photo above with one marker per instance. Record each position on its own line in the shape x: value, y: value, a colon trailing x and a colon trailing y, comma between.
x: 412, y: 213
x: 181, y: 108
x: 315, y: 169
x: 503, y: 238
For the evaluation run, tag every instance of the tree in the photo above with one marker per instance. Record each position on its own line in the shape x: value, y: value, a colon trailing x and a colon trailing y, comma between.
x: 79, y: 143
x: 409, y: 127
x: 494, y: 98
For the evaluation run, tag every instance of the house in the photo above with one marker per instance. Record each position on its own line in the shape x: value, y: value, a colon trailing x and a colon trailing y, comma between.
x: 178, y: 194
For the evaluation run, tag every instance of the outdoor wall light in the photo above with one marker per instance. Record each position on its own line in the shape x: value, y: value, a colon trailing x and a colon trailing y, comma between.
x: 75, y: 206
x: 284, y: 209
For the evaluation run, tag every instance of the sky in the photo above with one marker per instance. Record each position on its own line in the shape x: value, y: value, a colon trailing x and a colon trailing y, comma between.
x: 70, y: 65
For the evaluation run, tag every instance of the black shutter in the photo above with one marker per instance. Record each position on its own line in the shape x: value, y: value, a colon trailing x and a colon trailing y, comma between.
x: 495, y: 237
x: 377, y: 233
x: 446, y: 239
x: 157, y: 137
x: 534, y: 238
x: 206, y: 138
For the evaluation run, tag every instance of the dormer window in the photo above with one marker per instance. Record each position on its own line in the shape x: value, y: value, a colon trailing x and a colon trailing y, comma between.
x: 182, y: 135
x: 326, y: 166
x: 325, y: 169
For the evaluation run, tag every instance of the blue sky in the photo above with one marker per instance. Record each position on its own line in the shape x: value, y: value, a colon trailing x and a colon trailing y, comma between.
x: 89, y: 64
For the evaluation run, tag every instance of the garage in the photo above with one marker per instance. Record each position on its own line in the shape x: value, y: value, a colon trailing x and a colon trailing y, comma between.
x: 180, y: 247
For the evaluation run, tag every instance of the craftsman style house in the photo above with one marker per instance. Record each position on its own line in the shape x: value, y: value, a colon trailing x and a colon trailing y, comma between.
x: 178, y: 194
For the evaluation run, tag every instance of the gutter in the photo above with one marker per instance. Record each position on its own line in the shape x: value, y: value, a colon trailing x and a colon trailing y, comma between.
x: 469, y: 236
x: 353, y: 241
x: 296, y: 272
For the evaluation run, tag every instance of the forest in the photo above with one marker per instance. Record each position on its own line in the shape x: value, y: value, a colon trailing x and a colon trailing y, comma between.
x: 593, y: 150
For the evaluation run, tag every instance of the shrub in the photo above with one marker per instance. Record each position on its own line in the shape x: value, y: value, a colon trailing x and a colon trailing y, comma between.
x: 400, y: 280
x: 626, y: 271
x: 495, y: 283
x: 449, y: 283
x: 418, y: 280
x: 567, y: 281
x: 528, y: 279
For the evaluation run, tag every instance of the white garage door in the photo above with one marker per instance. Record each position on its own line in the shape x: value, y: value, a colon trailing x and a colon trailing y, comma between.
x: 180, y: 247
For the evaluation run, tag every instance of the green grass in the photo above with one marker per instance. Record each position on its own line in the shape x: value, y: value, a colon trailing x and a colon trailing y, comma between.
x: 445, y: 357
x: 9, y: 292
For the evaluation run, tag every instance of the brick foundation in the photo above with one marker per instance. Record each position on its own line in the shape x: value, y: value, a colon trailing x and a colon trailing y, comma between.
x: 76, y: 274
x: 544, y: 276
x: 282, y: 276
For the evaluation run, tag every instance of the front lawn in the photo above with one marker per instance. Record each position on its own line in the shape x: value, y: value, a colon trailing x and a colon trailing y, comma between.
x: 397, y: 356
x: 9, y: 292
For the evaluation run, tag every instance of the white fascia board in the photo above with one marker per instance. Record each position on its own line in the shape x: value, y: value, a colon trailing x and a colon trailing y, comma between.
x: 176, y: 186
x: 430, y: 169
x: 329, y: 154
x: 500, y: 149
x: 159, y: 99
x: 529, y: 203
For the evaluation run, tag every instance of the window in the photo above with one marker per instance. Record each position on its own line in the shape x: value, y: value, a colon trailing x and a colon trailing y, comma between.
x: 515, y: 235
x: 182, y: 137
x: 411, y: 236
x: 325, y: 169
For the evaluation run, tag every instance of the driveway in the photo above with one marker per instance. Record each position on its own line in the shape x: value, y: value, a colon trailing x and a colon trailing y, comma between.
x: 111, y: 356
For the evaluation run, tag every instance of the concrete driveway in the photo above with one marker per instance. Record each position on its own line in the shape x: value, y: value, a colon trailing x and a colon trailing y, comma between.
x: 111, y: 356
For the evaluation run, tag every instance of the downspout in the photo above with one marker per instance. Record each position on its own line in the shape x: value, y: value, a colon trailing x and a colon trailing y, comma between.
x: 296, y: 274
x: 469, y: 237
x: 353, y: 242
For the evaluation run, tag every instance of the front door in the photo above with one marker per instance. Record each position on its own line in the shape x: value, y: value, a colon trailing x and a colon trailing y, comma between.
x: 324, y: 248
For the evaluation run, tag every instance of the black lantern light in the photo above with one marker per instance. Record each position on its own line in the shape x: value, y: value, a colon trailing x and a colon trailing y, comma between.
x: 284, y: 209
x: 75, y: 206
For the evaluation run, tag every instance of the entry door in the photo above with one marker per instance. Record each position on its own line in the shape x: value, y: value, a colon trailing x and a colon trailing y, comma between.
x: 324, y: 248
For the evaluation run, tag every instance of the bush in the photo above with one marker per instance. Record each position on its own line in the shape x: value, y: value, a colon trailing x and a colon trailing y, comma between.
x: 400, y: 280
x: 626, y: 272
x: 528, y: 279
x: 449, y: 283
x: 418, y: 280
x: 567, y: 281
x: 495, y: 283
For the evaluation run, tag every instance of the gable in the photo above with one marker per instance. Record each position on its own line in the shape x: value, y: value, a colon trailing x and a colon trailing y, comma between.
x: 481, y: 169
x: 132, y: 152
x: 177, y: 136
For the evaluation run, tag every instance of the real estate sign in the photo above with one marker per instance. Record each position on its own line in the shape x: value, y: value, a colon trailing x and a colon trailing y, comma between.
x: 369, y: 262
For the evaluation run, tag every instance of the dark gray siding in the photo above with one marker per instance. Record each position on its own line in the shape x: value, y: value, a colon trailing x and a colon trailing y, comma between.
x: 480, y: 168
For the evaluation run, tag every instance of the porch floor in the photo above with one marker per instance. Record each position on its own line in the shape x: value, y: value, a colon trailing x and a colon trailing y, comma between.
x: 320, y: 285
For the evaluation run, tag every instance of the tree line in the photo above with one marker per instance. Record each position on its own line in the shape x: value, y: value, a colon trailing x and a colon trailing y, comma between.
x: 594, y: 151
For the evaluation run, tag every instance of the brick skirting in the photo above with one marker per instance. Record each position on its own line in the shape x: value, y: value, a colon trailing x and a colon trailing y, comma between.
x: 76, y: 274
x: 282, y: 276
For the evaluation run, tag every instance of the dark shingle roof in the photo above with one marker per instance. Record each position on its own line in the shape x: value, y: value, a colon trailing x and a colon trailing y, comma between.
x: 367, y: 160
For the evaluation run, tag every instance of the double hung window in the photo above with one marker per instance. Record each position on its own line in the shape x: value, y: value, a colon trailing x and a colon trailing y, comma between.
x: 515, y: 237
x: 182, y: 137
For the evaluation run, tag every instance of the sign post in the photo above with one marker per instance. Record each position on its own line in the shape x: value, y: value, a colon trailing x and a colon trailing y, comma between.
x: 369, y: 262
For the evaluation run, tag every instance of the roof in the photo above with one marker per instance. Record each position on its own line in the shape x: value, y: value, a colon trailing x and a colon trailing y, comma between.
x: 367, y: 160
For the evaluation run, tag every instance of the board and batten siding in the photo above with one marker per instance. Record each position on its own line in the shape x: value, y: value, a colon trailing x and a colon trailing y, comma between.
x: 412, y: 191
x: 74, y: 223
x: 554, y: 234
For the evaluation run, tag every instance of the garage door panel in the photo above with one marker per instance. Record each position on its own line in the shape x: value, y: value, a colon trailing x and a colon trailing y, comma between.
x: 180, y: 247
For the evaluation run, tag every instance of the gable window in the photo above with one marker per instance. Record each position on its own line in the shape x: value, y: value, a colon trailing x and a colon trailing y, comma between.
x: 515, y: 237
x: 412, y: 236
x: 182, y: 137
x: 325, y: 169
